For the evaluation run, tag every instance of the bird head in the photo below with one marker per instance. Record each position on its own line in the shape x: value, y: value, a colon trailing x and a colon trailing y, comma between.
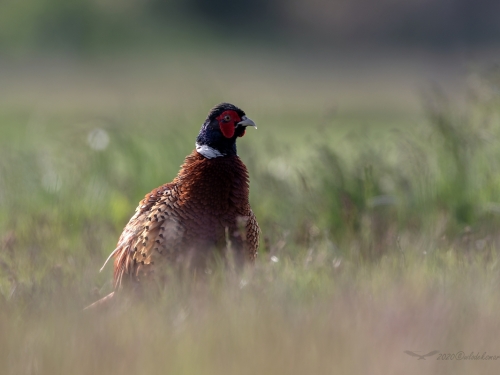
x: 218, y: 134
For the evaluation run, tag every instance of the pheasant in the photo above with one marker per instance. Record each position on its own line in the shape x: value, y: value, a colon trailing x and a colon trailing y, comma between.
x: 193, y: 217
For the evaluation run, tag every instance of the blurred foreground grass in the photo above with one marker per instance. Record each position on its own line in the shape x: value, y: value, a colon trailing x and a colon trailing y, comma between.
x: 380, y: 234
x: 310, y: 314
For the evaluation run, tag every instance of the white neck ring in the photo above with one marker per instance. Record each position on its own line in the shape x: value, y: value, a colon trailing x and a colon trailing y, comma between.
x: 208, y: 152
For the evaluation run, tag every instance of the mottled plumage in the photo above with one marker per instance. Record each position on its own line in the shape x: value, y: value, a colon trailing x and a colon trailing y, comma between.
x: 191, y: 218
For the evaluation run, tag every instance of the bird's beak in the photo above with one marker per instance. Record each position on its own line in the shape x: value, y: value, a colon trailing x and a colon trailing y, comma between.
x: 245, y: 121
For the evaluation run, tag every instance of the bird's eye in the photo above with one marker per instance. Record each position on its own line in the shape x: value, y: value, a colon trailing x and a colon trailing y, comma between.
x: 227, y: 118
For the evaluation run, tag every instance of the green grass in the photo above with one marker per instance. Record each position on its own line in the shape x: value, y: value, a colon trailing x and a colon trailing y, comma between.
x: 380, y: 235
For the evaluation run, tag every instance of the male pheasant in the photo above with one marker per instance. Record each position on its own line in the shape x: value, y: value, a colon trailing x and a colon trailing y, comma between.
x: 198, y: 213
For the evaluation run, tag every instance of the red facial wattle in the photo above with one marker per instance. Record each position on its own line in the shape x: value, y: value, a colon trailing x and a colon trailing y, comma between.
x: 228, y: 127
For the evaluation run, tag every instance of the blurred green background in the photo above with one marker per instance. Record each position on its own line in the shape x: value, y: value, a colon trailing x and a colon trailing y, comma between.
x: 88, y: 26
x: 374, y: 177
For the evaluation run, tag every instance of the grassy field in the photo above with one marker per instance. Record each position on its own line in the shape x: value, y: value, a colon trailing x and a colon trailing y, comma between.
x: 379, y: 210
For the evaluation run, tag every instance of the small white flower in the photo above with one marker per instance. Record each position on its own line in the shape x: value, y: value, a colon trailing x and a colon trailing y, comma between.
x: 98, y: 139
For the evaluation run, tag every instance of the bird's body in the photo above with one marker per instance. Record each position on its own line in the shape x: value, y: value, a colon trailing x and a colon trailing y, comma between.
x: 196, y: 215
